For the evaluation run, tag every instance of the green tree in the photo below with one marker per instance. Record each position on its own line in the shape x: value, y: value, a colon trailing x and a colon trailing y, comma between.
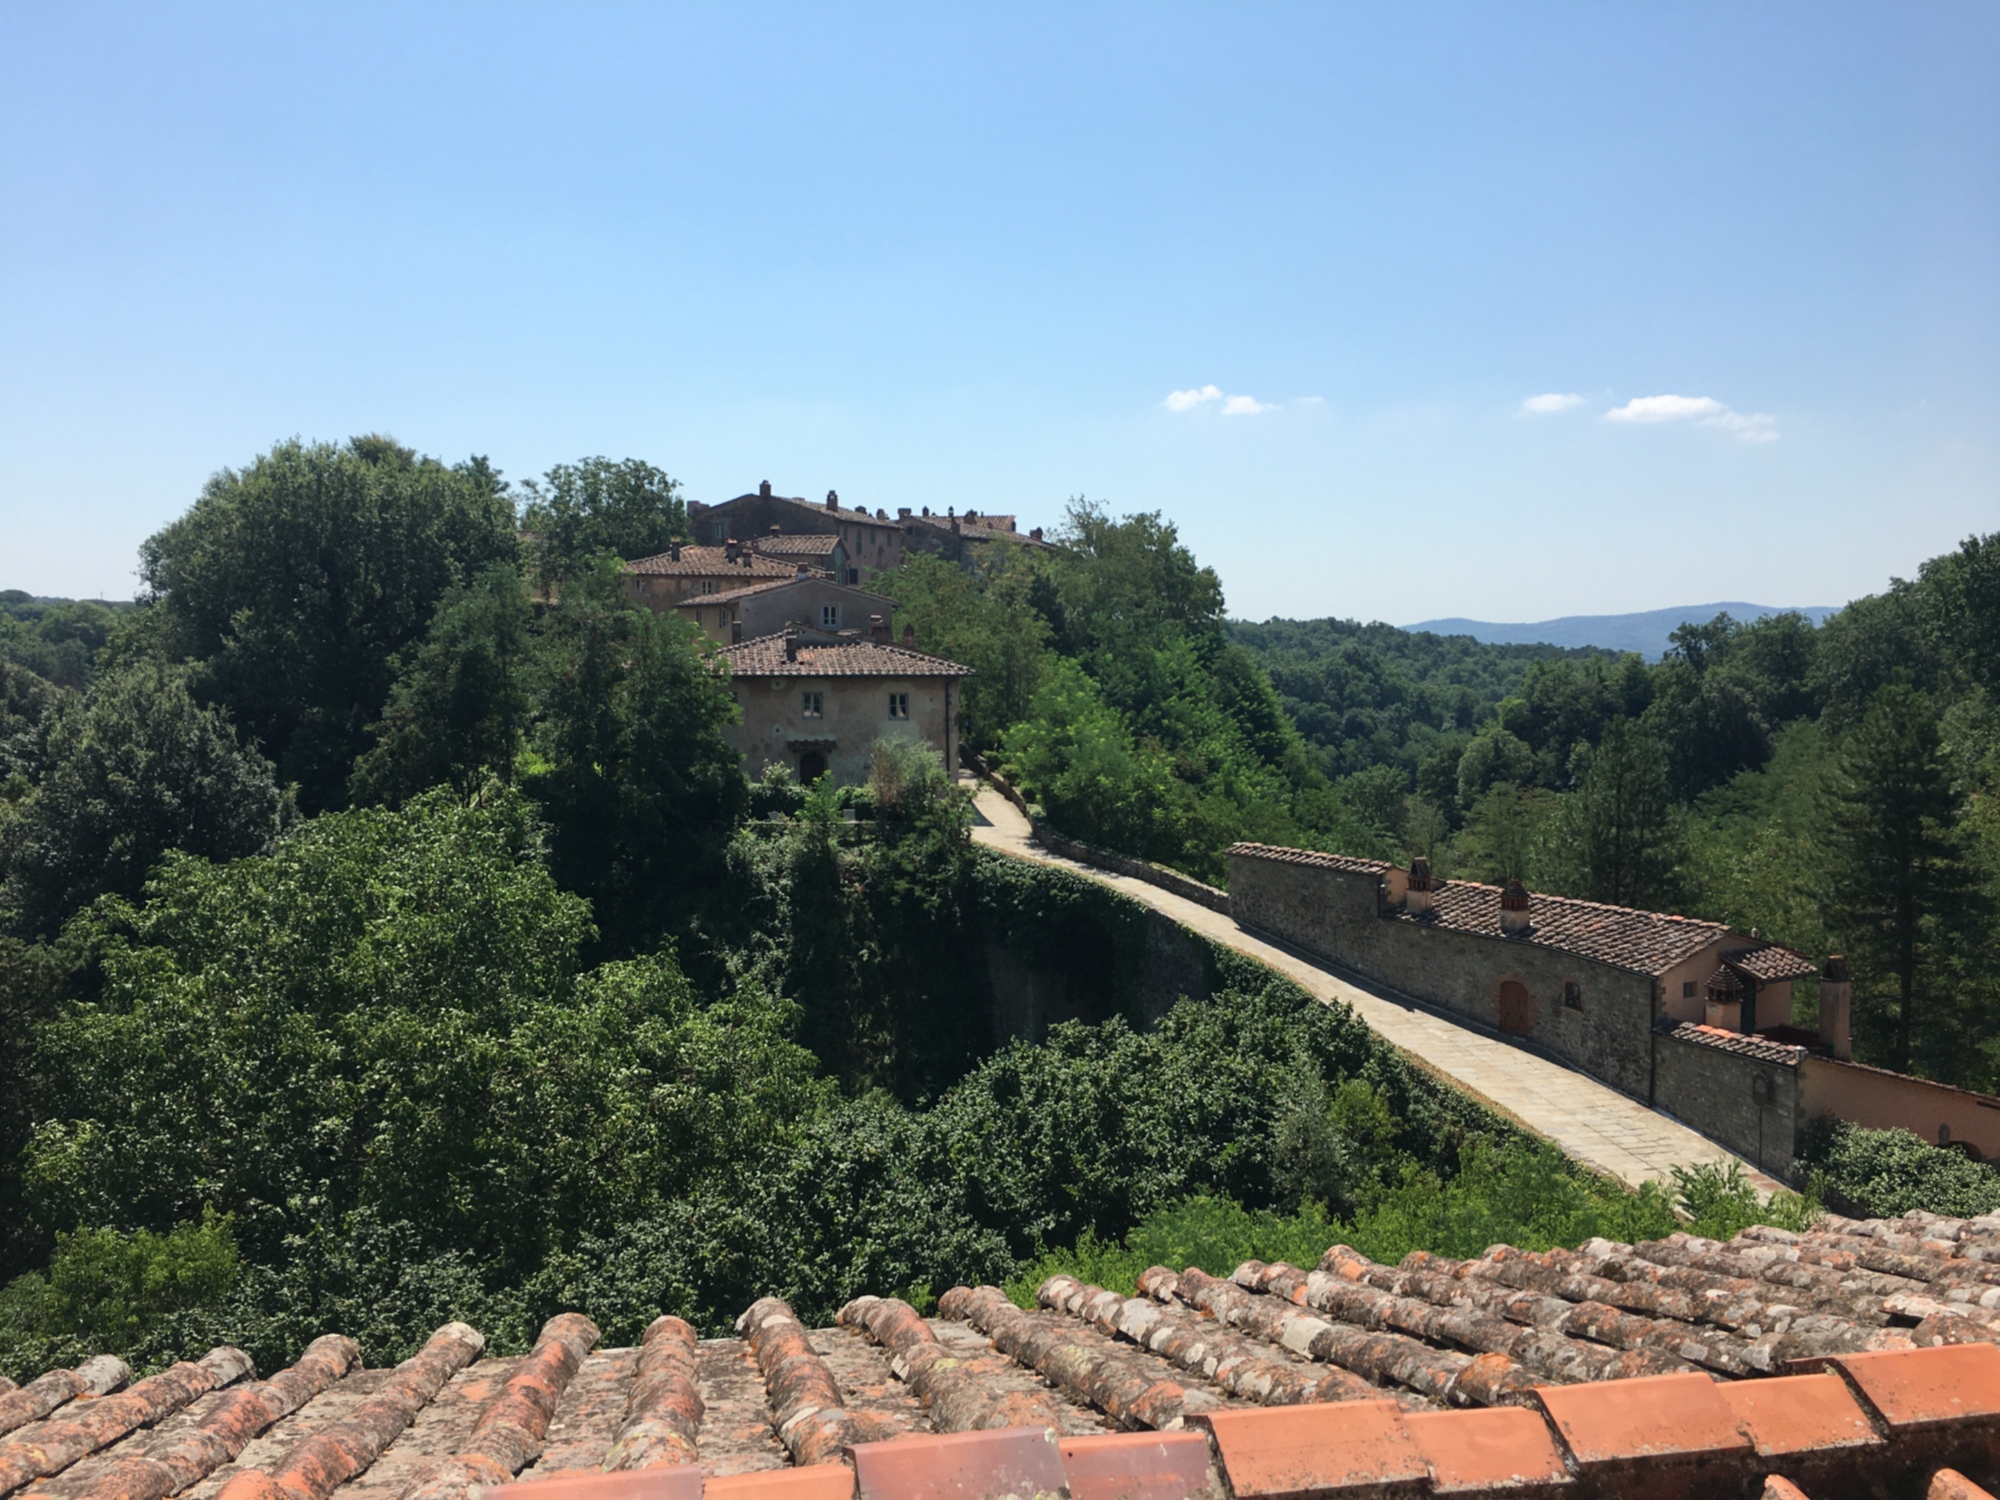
x: 460, y: 704
x: 1495, y: 756
x: 1898, y: 892
x: 388, y: 1016
x: 984, y: 620
x: 297, y: 583
x: 1619, y: 826
x: 639, y: 786
x: 122, y: 774
x: 577, y: 513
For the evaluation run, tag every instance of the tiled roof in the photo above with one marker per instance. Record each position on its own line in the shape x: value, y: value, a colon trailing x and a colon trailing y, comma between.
x: 1646, y: 942
x: 845, y: 513
x: 1857, y: 1359
x: 1743, y: 1044
x: 796, y: 546
x: 1314, y: 857
x: 711, y: 562
x: 1770, y: 961
x: 837, y: 656
x: 730, y: 596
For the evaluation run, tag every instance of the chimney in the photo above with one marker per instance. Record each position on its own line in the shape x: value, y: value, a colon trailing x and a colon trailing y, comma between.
x: 972, y: 515
x: 732, y: 549
x: 909, y: 636
x: 764, y: 489
x: 791, y: 643
x: 675, y: 551
x: 776, y: 529
x: 1417, y: 897
x: 1036, y: 533
x: 735, y: 632
x: 1514, y: 918
x: 878, y: 629
x: 902, y: 512
x: 833, y: 499
x: 1835, y: 994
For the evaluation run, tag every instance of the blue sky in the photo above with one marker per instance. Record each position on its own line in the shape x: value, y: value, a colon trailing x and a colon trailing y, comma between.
x: 995, y: 257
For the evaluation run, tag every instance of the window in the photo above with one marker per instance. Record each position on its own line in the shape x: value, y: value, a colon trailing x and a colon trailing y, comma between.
x: 645, y: 585
x: 812, y: 705
x: 854, y: 575
x: 1687, y: 989
x: 1572, y: 995
x: 899, y: 705
x: 719, y: 532
x: 704, y: 586
x: 829, y: 617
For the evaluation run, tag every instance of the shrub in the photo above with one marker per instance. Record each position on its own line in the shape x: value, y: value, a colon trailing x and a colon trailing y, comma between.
x: 1880, y: 1174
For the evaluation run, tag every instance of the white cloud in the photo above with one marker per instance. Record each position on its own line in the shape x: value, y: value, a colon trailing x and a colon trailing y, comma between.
x: 1203, y: 395
x: 1550, y: 401
x: 1189, y: 400
x: 1664, y: 409
x: 1750, y: 427
x: 1745, y: 426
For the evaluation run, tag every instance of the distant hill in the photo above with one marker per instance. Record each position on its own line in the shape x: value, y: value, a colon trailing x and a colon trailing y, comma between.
x: 1645, y: 632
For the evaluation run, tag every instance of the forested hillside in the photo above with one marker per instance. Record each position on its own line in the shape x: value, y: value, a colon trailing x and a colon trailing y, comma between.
x: 387, y: 934
x: 1833, y: 787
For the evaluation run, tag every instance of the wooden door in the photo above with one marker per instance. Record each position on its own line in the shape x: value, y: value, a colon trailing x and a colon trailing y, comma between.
x: 1517, y: 1007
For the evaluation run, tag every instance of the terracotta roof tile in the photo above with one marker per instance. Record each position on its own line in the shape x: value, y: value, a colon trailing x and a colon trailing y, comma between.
x: 1280, y: 855
x: 711, y: 562
x: 1643, y: 941
x: 731, y: 596
x: 1742, y: 1043
x: 834, y: 656
x: 814, y: 545
x: 1677, y: 1367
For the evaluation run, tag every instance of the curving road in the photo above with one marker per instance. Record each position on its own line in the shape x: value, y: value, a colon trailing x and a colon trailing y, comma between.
x: 1592, y: 1122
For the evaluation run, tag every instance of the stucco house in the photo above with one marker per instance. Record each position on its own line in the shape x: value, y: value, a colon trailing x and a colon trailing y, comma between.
x: 767, y: 607
x: 816, y: 702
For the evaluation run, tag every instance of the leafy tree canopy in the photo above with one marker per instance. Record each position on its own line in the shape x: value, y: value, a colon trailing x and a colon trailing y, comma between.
x: 295, y: 584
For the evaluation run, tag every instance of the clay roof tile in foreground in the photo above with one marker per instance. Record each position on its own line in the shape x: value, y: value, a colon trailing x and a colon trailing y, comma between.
x: 834, y: 656
x: 1858, y: 1358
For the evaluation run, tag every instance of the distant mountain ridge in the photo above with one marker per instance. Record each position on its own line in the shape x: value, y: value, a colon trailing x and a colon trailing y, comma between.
x: 1646, y: 632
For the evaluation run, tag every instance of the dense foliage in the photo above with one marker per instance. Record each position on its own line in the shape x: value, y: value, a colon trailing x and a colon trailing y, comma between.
x: 387, y: 934
x: 1836, y: 788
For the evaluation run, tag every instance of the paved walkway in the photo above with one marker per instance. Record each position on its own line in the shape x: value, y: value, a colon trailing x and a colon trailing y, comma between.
x: 1592, y: 1122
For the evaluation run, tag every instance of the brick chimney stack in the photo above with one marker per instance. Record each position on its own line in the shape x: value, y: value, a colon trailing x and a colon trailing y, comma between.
x: 732, y: 549
x: 1417, y: 900
x: 909, y: 636
x: 791, y: 643
x: 1835, y: 997
x: 833, y: 499
x: 764, y: 489
x: 1514, y: 918
x: 878, y: 629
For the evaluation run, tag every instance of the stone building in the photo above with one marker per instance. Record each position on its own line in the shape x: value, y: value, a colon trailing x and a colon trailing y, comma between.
x: 871, y: 543
x: 816, y: 702
x: 1692, y: 1017
x: 766, y: 608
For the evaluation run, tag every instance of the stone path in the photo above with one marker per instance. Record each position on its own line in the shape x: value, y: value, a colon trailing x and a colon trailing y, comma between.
x: 1592, y: 1122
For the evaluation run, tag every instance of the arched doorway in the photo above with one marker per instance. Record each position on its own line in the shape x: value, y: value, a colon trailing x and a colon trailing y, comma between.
x: 812, y: 766
x: 1517, y: 1008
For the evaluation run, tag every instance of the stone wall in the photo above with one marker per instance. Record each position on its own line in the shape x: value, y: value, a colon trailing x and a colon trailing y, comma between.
x: 1717, y: 1091
x: 1336, y: 914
